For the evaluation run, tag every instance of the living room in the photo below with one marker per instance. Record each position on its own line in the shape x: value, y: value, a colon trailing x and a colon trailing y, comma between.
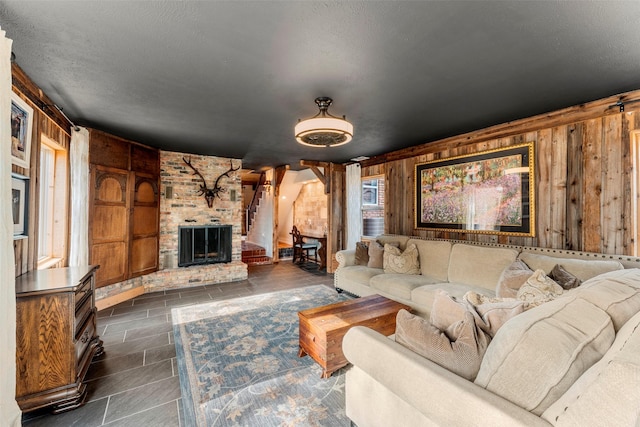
x: 584, y: 163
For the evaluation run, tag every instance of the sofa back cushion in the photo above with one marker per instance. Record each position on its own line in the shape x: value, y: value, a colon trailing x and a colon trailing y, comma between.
x: 607, y: 392
x: 434, y: 257
x: 476, y: 265
x: 536, y: 356
x: 616, y: 292
x: 581, y: 268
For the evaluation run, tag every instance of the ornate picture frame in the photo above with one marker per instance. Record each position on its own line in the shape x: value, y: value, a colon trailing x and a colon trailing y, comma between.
x: 491, y: 192
x: 21, y: 130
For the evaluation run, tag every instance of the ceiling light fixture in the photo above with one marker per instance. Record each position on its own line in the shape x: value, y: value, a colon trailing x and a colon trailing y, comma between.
x: 323, y: 129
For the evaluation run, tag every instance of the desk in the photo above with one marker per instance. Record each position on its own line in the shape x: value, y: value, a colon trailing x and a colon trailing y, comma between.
x: 322, y: 250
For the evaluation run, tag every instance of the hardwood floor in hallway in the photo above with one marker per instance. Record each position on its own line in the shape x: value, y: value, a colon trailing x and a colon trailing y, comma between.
x: 135, y: 382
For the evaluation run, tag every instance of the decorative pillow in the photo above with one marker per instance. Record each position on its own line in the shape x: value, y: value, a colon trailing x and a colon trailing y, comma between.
x: 461, y: 354
x: 538, y: 289
x: 563, y: 278
x: 512, y: 278
x: 395, y: 261
x: 376, y: 252
x: 362, y: 253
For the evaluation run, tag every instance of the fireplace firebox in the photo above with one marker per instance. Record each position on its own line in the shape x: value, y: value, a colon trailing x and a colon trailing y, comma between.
x: 207, y: 244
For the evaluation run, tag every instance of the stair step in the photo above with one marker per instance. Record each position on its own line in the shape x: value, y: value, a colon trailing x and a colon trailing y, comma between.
x: 257, y: 260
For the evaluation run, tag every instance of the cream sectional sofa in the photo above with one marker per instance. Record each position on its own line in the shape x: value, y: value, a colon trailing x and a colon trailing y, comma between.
x: 573, y: 361
x: 459, y: 267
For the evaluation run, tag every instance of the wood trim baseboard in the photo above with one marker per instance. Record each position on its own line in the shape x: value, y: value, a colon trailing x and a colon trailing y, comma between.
x: 110, y: 301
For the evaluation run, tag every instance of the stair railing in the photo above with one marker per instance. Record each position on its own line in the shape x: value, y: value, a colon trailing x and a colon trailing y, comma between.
x: 253, y: 206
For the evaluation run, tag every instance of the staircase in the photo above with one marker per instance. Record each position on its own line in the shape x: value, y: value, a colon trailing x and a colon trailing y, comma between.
x: 253, y: 254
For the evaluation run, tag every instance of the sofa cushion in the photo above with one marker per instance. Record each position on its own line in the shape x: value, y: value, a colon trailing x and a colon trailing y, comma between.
x: 511, y: 278
x: 563, y: 278
x: 460, y: 352
x: 489, y: 317
x: 608, y: 392
x: 376, y: 254
x: 424, y: 295
x: 399, y: 285
x: 362, y: 253
x: 479, y: 265
x: 616, y: 292
x: 358, y: 273
x: 538, y: 289
x: 397, y: 261
x: 581, y: 268
x: 561, y: 338
x: 434, y: 257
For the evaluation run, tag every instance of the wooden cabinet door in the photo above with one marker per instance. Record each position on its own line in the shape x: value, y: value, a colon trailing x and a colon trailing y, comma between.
x: 108, y: 228
x: 143, y: 252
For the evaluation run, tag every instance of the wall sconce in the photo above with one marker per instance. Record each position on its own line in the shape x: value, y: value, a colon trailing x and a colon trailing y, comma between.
x: 267, y: 186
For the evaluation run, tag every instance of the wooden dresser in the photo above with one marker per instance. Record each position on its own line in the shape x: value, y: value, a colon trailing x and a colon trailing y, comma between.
x: 56, y: 337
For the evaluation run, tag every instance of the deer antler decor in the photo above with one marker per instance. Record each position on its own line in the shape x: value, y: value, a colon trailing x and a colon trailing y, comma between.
x: 210, y: 194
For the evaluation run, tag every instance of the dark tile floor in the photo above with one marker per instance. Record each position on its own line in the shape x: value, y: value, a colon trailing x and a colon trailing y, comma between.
x: 135, y: 383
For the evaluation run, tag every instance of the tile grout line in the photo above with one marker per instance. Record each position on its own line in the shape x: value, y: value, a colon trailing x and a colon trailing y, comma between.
x: 106, y: 409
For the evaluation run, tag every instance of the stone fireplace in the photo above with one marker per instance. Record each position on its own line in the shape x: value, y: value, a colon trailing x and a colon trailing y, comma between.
x: 206, y: 244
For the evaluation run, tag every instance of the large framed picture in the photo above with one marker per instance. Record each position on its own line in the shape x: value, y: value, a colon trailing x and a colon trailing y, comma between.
x: 21, y: 129
x: 19, y: 204
x: 492, y: 192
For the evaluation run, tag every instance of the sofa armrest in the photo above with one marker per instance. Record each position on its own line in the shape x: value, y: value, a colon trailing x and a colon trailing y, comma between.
x: 440, y: 395
x: 346, y: 257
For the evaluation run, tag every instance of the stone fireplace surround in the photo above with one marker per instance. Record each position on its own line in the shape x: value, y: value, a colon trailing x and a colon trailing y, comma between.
x: 186, y: 207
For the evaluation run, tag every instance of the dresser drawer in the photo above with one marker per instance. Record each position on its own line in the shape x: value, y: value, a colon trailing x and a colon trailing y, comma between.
x: 83, y: 310
x: 82, y: 292
x: 84, y: 337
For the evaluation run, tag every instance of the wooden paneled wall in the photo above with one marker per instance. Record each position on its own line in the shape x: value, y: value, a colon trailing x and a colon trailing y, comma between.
x: 47, y: 121
x: 584, y: 173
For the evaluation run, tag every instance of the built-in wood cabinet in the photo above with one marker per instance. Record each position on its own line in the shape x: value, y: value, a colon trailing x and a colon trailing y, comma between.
x: 124, y: 208
x: 56, y: 337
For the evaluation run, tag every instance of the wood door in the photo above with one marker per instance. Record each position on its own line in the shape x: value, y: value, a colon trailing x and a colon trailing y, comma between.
x: 108, y: 227
x: 145, y: 212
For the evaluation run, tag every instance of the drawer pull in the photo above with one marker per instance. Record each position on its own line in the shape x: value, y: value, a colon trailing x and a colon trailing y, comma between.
x: 85, y: 337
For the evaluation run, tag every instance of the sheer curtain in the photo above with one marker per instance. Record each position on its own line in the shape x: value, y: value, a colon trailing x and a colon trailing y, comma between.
x: 9, y: 411
x: 79, y: 160
x: 354, y: 205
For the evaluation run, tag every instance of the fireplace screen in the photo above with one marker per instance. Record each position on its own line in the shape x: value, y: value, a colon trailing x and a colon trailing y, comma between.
x: 204, y: 244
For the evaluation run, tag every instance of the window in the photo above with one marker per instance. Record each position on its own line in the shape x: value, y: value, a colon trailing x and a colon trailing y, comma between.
x: 372, y: 206
x: 52, y: 212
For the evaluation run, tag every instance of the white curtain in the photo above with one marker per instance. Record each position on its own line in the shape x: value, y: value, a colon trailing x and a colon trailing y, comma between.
x: 354, y: 205
x: 79, y: 160
x: 9, y: 410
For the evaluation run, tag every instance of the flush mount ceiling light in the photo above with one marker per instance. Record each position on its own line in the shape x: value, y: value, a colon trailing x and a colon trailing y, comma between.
x: 323, y: 129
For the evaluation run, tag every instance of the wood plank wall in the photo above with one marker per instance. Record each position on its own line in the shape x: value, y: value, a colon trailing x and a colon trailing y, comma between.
x: 47, y: 121
x: 584, y: 176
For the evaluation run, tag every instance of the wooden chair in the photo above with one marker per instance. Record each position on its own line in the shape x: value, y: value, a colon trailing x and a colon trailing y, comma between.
x: 301, y: 249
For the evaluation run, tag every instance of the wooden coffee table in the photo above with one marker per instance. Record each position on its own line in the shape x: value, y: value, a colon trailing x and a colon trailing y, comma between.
x: 322, y: 328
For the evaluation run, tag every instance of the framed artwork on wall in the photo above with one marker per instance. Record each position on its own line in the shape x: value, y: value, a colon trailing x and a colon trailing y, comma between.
x: 19, y: 205
x: 21, y: 129
x: 491, y: 192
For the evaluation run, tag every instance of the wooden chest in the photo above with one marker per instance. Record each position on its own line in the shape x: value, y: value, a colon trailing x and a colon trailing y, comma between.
x: 322, y: 328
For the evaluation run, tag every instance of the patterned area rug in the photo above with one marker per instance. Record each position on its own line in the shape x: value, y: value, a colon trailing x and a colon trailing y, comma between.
x: 239, y: 366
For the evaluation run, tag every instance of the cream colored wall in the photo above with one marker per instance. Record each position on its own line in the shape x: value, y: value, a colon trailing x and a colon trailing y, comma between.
x: 9, y: 411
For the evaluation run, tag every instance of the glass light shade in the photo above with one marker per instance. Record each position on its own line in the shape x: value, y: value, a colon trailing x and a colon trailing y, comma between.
x: 324, y: 132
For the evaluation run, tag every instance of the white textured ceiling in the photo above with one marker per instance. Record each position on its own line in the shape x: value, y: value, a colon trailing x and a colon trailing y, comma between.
x: 231, y: 78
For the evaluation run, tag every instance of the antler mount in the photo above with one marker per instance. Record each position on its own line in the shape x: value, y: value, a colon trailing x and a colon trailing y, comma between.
x: 210, y: 193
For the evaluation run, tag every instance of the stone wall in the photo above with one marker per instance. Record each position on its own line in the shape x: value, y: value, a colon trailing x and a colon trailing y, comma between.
x: 310, y: 209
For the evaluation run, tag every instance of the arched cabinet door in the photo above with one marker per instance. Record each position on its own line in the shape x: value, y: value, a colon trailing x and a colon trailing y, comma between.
x: 143, y: 255
x: 109, y: 224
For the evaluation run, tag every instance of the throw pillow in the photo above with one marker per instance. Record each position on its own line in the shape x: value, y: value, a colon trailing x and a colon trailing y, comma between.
x: 538, y: 289
x: 461, y: 354
x: 362, y: 253
x: 396, y: 261
x: 376, y: 252
x: 563, y: 278
x: 512, y: 278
